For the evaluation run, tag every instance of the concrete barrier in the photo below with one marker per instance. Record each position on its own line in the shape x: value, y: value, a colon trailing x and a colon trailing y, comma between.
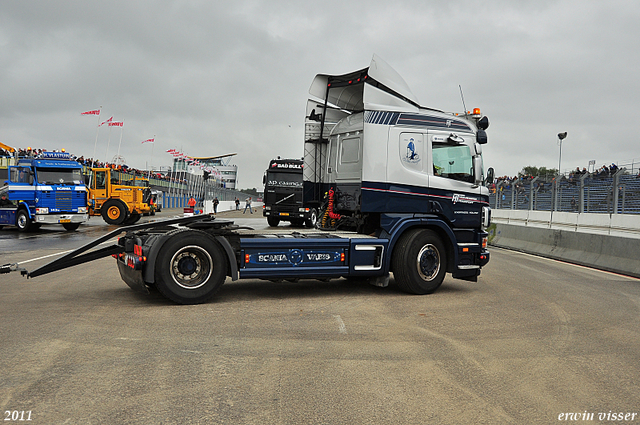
x: 596, y: 240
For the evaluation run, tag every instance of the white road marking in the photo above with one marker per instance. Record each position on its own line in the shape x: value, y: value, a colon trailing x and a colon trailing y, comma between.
x: 341, y: 326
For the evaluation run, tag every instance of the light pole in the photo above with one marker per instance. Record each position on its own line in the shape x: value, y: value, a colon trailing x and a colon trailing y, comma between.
x: 561, y: 137
x: 556, y: 207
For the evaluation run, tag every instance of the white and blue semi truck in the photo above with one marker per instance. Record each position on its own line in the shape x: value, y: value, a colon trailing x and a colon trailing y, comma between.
x: 398, y: 188
x: 48, y: 189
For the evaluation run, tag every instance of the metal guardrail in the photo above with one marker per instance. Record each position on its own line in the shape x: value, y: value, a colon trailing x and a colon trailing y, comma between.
x: 617, y: 194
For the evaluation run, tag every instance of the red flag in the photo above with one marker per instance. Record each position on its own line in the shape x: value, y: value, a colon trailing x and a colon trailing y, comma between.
x: 94, y: 112
x: 116, y: 124
x: 150, y: 140
x: 107, y: 121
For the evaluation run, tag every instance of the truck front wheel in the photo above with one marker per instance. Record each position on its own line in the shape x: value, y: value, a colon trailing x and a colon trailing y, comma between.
x: 23, y: 222
x: 70, y: 227
x: 312, y: 220
x: 419, y: 262
x: 114, y: 212
x: 273, y: 221
x: 191, y: 267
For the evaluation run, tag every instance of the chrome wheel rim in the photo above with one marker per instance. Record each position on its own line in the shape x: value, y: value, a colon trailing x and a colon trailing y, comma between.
x: 428, y: 262
x: 191, y: 267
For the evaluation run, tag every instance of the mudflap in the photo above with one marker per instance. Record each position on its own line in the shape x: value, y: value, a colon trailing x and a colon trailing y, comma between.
x: 469, y: 275
x: 132, y: 277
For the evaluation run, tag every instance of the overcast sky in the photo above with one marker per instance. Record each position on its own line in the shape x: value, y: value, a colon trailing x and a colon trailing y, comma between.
x: 218, y: 77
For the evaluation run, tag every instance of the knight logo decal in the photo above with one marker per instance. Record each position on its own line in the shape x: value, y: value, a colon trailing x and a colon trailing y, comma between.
x: 411, y: 156
x: 462, y: 199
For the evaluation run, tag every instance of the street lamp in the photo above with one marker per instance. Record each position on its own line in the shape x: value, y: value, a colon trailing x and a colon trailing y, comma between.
x: 561, y: 137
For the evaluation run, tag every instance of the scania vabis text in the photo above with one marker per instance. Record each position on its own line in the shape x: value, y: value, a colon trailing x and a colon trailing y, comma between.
x: 398, y: 188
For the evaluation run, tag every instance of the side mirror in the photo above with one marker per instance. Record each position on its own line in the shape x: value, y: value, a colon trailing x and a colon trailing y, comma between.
x: 481, y: 137
x: 490, y: 176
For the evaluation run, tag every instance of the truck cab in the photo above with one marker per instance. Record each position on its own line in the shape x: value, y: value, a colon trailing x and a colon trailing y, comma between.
x: 376, y: 160
x: 48, y: 189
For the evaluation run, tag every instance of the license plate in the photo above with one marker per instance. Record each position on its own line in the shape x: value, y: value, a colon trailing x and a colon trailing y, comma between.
x: 284, y: 213
x: 64, y: 221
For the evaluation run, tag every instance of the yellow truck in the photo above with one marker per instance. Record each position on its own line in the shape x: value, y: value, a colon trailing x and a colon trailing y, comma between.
x: 117, y: 201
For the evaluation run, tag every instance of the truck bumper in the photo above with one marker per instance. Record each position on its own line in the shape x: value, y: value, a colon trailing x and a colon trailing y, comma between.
x: 285, y: 215
x: 484, y: 258
x: 60, y: 218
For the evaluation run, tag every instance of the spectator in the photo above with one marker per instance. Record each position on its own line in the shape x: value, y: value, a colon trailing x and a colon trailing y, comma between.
x: 4, y: 202
x: 247, y: 205
x: 215, y: 205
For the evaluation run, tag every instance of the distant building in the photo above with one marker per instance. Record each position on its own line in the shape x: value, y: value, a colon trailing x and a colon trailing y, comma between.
x: 224, y: 173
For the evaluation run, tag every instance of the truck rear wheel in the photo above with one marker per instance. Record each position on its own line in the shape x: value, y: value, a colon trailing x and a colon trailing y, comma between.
x: 23, y: 222
x: 191, y: 267
x: 114, y: 212
x: 419, y: 262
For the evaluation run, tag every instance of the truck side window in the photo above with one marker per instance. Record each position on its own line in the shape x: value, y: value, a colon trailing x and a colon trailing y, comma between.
x: 453, y: 162
x: 100, y: 180
x: 21, y: 175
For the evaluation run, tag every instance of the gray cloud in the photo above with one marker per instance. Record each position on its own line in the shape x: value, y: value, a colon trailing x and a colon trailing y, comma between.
x: 214, y: 77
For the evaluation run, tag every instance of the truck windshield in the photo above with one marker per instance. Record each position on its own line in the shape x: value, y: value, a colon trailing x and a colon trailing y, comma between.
x: 70, y: 176
x: 291, y: 180
x: 453, y: 162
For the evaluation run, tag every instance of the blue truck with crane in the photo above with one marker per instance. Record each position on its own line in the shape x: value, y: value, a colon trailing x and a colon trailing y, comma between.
x: 398, y: 188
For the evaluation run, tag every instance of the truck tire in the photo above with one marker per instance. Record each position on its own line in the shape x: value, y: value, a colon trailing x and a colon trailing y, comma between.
x: 419, y: 262
x: 114, y: 211
x: 70, y: 227
x: 133, y: 218
x: 273, y: 221
x: 312, y: 220
x: 190, y: 268
x: 23, y: 222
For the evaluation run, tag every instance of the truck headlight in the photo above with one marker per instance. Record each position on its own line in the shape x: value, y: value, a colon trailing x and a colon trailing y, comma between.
x: 82, y: 210
x: 303, y: 210
x: 42, y: 210
x: 268, y: 208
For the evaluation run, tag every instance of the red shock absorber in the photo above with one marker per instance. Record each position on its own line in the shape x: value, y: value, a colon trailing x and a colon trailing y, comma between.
x: 330, y: 207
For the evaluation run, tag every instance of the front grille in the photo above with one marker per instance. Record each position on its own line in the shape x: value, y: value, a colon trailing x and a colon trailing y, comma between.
x: 286, y: 200
x: 64, y: 201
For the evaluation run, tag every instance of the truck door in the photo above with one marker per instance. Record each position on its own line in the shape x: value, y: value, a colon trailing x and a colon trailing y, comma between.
x: 452, y: 161
x: 21, y: 186
x: 99, y: 184
x: 453, y: 178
